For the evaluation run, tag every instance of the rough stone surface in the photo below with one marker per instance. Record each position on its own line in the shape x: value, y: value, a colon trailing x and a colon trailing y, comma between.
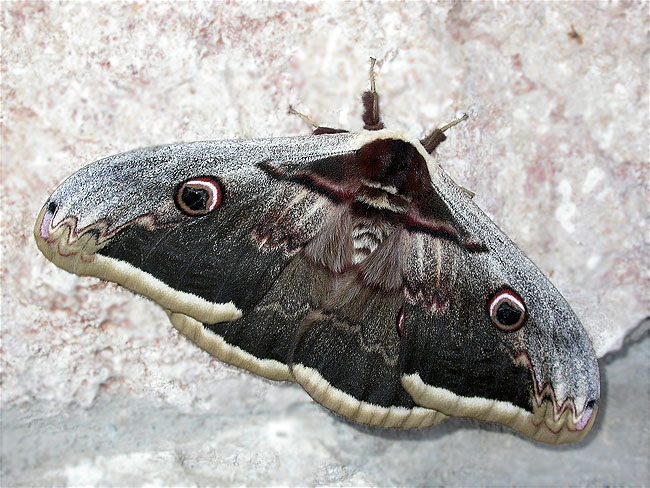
x: 98, y: 389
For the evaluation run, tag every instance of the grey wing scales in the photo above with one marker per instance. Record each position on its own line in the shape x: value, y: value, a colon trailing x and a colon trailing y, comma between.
x: 116, y: 219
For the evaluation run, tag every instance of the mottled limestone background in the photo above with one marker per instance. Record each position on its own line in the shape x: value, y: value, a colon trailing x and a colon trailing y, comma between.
x: 98, y: 389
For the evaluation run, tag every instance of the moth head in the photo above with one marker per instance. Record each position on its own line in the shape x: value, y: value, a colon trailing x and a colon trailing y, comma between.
x: 391, y: 163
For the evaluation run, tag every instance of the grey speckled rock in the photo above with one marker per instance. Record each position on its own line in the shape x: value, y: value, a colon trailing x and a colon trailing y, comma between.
x: 96, y: 386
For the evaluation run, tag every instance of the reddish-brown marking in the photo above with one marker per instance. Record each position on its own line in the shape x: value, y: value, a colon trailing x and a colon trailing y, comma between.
x: 400, y: 321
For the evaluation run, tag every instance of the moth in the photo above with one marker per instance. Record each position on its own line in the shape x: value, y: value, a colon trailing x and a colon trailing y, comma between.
x: 347, y: 262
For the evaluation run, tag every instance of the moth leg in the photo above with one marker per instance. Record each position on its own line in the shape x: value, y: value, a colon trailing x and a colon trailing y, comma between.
x: 433, y: 140
x: 316, y: 129
x: 370, y: 99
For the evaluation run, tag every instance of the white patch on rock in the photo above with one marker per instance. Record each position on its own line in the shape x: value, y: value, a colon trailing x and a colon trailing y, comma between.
x: 593, y: 261
x: 566, y: 209
x: 594, y: 176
